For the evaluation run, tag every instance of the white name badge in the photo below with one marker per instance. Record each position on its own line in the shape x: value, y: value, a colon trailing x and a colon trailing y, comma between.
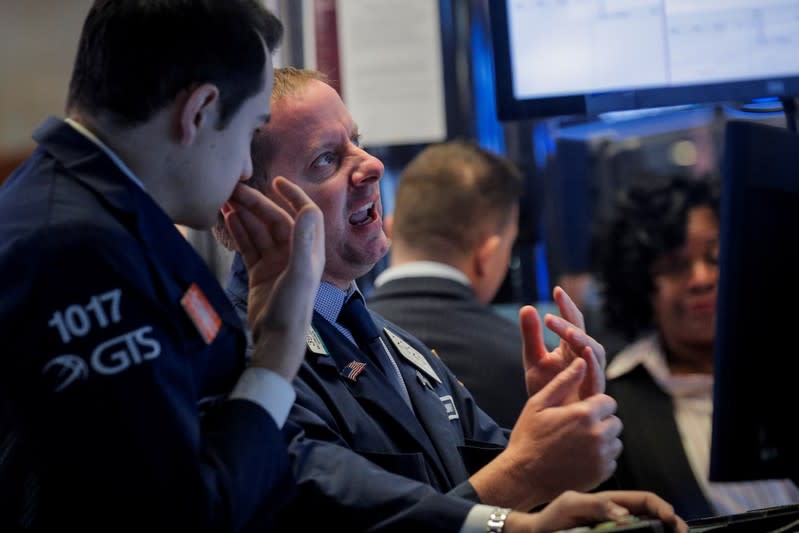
x: 314, y: 342
x: 410, y: 353
x: 449, y: 406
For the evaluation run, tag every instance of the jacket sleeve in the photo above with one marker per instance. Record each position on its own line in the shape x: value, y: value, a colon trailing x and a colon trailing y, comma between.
x: 102, y: 373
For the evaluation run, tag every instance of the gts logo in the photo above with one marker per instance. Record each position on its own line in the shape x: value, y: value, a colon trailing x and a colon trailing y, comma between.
x: 109, y: 357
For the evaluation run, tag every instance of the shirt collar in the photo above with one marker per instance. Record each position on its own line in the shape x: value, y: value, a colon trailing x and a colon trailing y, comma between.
x: 330, y: 299
x: 648, y: 352
x: 328, y: 302
x: 419, y: 269
x: 80, y: 128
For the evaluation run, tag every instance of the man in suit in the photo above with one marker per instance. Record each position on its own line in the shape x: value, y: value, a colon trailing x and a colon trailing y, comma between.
x: 452, y: 233
x: 120, y: 349
x: 383, y: 435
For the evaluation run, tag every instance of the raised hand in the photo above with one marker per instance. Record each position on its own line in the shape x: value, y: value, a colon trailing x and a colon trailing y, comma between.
x: 541, y: 365
x: 556, y: 445
x: 283, y: 250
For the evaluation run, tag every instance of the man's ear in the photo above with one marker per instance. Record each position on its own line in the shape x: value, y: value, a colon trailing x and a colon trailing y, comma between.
x: 485, y: 252
x: 198, y: 109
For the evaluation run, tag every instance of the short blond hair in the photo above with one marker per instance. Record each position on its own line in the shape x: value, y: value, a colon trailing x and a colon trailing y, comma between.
x: 291, y: 80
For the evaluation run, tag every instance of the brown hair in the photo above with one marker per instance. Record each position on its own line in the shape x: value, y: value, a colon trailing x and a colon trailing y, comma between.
x: 451, y: 194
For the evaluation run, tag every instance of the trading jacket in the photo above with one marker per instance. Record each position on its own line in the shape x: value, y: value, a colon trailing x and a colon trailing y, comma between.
x: 481, y: 347
x: 103, y: 370
x: 362, y: 459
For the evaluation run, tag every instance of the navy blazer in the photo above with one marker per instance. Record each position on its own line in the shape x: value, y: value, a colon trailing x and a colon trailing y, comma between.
x: 362, y: 458
x: 481, y: 347
x: 103, y: 372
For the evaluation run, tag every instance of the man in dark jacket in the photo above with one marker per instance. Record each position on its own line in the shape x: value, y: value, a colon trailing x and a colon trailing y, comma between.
x: 384, y: 437
x: 120, y: 349
x: 452, y: 233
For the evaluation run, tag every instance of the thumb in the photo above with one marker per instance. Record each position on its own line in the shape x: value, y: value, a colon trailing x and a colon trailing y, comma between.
x: 563, y: 385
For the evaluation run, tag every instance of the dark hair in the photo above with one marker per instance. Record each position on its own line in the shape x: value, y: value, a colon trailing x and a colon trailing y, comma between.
x: 135, y: 56
x: 448, y: 194
x: 648, y: 221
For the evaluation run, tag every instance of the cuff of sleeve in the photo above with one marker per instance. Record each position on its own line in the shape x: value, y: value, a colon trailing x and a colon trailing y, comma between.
x: 267, y: 389
x: 477, y: 519
x: 465, y: 490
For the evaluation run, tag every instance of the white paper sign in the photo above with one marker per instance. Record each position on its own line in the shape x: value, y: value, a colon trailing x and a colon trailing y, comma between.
x: 391, y: 69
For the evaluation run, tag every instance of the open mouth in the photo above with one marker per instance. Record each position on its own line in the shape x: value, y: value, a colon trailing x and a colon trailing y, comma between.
x: 365, y: 215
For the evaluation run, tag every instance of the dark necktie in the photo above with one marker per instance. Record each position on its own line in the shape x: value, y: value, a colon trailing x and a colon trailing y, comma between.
x: 356, y: 319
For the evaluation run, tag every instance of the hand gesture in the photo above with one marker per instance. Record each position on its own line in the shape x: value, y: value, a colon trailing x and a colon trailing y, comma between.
x: 556, y: 445
x: 283, y: 250
x: 541, y: 366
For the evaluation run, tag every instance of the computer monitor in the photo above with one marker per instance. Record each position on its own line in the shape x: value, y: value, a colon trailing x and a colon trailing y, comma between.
x: 567, y: 57
x: 756, y: 360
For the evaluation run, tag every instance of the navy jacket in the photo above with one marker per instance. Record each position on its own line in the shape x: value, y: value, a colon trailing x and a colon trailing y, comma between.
x: 481, y: 347
x: 102, y: 372
x: 362, y: 459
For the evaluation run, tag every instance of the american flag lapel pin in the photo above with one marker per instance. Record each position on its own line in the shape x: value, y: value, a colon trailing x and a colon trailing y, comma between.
x: 353, y: 370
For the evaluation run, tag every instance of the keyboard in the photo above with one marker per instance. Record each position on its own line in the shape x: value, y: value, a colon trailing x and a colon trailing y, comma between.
x: 637, y: 525
x: 782, y: 519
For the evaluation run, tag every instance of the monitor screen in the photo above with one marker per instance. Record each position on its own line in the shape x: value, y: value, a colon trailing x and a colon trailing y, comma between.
x: 563, y: 57
x: 756, y: 360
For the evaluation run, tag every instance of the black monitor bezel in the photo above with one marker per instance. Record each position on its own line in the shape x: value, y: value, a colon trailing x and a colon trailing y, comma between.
x: 509, y: 107
x: 756, y: 364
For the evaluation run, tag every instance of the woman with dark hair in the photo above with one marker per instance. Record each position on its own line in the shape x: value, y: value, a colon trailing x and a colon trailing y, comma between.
x: 657, y: 263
